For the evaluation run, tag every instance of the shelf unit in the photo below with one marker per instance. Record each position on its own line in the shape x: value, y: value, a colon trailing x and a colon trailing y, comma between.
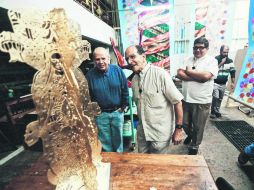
x: 129, y: 129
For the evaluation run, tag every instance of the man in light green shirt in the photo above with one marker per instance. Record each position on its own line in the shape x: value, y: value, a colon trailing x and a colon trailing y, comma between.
x: 159, y: 104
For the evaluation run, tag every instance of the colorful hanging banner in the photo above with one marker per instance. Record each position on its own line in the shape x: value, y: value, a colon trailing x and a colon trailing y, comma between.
x: 244, y: 90
x: 213, y: 19
x: 149, y: 24
x: 201, y: 18
x: 251, y: 24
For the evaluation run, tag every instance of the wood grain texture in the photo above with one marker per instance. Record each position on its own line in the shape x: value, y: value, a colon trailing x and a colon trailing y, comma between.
x: 135, y: 172
x: 164, y: 172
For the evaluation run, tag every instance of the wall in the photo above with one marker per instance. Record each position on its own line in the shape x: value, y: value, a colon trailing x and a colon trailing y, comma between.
x: 183, y: 32
x: 91, y: 26
x: 184, y: 15
x: 240, y: 26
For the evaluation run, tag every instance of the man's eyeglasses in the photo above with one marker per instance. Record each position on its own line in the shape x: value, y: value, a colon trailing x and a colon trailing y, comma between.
x: 198, y: 47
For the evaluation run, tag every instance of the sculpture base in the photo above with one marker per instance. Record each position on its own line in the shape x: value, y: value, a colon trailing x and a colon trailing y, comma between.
x: 103, y: 175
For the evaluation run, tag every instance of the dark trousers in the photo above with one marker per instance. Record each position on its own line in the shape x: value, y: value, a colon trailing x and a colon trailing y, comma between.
x: 218, y: 93
x: 194, y: 121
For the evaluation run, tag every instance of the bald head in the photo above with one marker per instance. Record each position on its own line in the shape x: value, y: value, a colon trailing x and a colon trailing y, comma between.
x: 135, y: 58
x: 100, y: 50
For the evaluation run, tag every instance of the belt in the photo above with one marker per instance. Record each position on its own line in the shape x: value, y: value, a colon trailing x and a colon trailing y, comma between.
x: 109, y: 110
x: 220, y: 83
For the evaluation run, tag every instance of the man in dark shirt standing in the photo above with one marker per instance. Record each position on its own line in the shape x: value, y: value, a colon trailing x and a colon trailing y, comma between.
x: 108, y: 87
x: 226, y: 67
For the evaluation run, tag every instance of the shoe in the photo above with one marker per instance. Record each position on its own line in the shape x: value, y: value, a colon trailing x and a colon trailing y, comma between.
x: 243, y: 158
x: 218, y: 115
x: 193, y: 151
x: 187, y: 140
x: 222, y: 184
x: 212, y: 116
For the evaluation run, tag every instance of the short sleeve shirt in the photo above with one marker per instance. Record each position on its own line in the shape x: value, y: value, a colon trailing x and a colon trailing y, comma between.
x: 197, y: 92
x: 155, y: 94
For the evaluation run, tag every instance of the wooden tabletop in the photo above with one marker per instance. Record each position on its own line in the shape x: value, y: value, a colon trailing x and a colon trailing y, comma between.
x: 135, y: 172
x: 163, y: 172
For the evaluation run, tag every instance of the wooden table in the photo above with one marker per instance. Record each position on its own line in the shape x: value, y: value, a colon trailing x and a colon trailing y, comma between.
x: 135, y: 172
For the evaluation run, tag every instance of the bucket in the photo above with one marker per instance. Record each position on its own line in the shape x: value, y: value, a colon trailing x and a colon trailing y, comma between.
x: 127, y: 128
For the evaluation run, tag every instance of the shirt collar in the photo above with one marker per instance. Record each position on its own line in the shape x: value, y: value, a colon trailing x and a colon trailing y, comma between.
x: 146, y: 68
x: 201, y: 58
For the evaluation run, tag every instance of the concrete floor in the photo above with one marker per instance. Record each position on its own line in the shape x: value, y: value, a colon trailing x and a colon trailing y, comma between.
x: 220, y: 155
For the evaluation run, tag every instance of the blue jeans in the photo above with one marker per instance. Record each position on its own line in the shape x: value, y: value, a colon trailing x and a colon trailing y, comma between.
x: 250, y: 150
x: 110, y: 131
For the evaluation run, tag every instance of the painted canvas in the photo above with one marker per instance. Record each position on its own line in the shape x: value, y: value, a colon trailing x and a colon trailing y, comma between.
x: 147, y: 23
x: 213, y: 19
x: 244, y: 90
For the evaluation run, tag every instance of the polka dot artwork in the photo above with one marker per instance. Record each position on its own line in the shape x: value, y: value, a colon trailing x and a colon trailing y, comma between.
x: 245, y: 85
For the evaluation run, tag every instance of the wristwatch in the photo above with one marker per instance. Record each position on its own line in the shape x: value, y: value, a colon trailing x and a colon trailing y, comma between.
x: 178, y: 126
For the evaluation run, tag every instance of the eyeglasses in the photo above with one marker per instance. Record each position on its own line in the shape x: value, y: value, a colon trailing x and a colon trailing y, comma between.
x: 198, y: 47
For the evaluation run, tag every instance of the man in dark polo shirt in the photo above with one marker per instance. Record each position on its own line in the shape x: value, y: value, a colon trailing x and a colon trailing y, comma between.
x: 226, y: 67
x: 108, y: 87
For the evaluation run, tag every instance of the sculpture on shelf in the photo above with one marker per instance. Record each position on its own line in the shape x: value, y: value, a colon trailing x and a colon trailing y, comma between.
x: 52, y: 44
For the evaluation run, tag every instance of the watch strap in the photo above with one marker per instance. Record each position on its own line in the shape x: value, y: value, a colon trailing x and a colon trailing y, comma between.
x: 178, y: 126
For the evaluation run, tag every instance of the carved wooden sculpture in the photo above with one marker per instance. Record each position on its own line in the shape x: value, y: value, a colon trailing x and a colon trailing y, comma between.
x: 52, y: 44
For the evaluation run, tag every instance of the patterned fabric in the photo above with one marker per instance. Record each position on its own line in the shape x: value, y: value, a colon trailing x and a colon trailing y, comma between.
x: 224, y: 71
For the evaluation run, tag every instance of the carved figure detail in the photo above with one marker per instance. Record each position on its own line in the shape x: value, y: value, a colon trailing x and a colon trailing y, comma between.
x: 52, y: 44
